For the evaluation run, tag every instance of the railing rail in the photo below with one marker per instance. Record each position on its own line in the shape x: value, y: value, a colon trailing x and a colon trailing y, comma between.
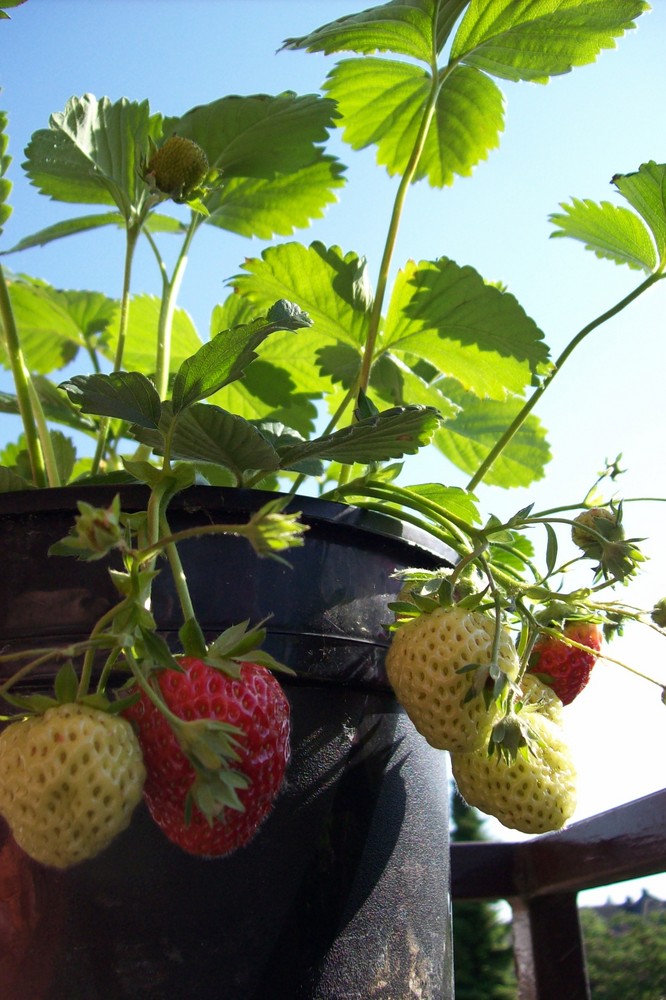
x: 540, y: 879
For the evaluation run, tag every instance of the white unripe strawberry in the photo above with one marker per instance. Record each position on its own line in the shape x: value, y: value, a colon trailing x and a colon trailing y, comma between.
x: 423, y: 665
x: 533, y: 791
x: 69, y: 782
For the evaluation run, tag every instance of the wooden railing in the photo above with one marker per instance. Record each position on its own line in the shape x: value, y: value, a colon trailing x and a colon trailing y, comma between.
x: 540, y: 880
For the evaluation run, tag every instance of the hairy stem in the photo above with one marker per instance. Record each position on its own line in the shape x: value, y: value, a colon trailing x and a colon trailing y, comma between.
x: 22, y: 383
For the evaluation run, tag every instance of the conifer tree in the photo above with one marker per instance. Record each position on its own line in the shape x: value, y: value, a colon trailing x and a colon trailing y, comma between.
x: 482, y: 953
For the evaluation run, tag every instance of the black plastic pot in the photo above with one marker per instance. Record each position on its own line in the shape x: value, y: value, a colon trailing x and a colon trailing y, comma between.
x: 344, y: 893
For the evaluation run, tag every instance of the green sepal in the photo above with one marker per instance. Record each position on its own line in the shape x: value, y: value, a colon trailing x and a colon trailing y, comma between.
x: 213, y: 791
x: 31, y: 704
x: 66, y: 684
x: 156, y: 651
x: 239, y: 644
x: 192, y: 639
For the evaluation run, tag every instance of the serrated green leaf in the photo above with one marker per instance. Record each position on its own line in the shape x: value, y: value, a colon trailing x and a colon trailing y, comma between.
x: 276, y: 206
x: 10, y: 481
x: 323, y: 281
x: 65, y: 455
x: 409, y: 27
x: 528, y: 40
x: 236, y: 131
x: 127, y: 395
x: 610, y: 231
x: 456, y: 501
x: 391, y: 434
x: 223, y: 359
x: 5, y: 160
x: 383, y: 103
x: 206, y: 433
x: 69, y: 227
x: 92, y: 153
x: 50, y: 338
x: 468, y: 438
x: 447, y: 315
x: 645, y: 190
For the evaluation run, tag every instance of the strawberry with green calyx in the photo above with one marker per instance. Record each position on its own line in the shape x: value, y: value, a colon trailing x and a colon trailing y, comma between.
x: 565, y: 663
x: 658, y: 613
x: 526, y: 777
x: 215, y: 739
x: 96, y: 531
x: 70, y: 779
x: 599, y: 533
x: 448, y: 675
x: 177, y: 168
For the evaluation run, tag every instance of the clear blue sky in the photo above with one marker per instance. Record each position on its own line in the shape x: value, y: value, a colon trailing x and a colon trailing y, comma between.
x: 566, y: 139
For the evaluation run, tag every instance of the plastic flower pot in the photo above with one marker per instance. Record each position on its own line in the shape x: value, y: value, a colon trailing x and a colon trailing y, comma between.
x: 344, y: 892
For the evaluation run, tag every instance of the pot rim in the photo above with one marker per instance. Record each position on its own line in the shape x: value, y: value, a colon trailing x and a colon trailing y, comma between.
x: 232, y: 499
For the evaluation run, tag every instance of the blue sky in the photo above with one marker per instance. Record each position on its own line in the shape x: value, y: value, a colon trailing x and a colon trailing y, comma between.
x: 562, y: 140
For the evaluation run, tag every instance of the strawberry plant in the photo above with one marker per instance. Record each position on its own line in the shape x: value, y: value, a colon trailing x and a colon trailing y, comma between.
x: 315, y: 381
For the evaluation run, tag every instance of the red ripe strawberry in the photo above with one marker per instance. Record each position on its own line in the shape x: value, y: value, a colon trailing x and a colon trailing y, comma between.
x: 565, y: 668
x: 209, y: 807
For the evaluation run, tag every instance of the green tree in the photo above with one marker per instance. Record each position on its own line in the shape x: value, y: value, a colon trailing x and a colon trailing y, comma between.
x: 482, y: 952
x: 626, y: 953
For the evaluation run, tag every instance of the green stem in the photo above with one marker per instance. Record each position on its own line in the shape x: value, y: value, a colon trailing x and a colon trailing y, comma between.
x: 394, y: 225
x: 132, y: 233
x: 88, y: 659
x: 178, y: 574
x: 170, y: 290
x: 22, y: 383
x: 521, y: 417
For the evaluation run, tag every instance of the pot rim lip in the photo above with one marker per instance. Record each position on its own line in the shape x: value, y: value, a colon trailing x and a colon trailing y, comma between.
x: 238, y: 499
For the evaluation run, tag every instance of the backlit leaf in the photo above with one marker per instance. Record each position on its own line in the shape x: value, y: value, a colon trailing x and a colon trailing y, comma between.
x: 383, y: 103
x: 447, y: 315
x: 536, y: 39
x: 611, y: 231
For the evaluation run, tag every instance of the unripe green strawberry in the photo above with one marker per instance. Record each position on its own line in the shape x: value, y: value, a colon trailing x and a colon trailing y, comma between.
x: 602, y: 521
x: 423, y: 665
x: 178, y: 167
x: 617, y: 555
x: 533, y: 791
x: 69, y: 782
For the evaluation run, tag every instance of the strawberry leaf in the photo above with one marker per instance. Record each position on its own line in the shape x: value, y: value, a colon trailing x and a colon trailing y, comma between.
x: 384, y: 101
x: 610, y: 231
x: 645, y: 190
x: 467, y: 439
x: 127, y: 395
x: 223, y: 359
x: 5, y: 160
x: 391, y: 434
x: 409, y: 27
x: 524, y: 40
x: 235, y: 132
x: 448, y: 316
x: 265, y: 207
x: 206, y: 433
x: 92, y: 151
